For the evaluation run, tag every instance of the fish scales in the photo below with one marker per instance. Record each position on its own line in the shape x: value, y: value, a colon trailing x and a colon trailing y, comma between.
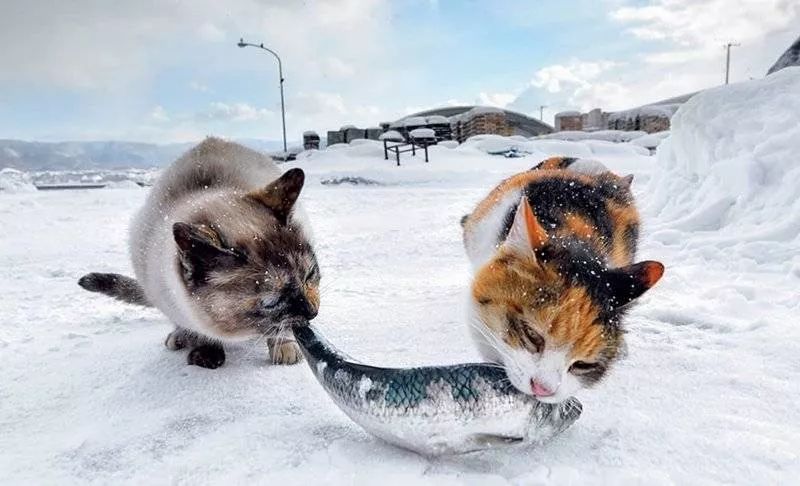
x: 434, y: 409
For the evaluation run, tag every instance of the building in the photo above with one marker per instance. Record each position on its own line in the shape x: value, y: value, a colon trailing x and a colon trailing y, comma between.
x: 450, y: 123
x: 348, y: 133
x: 651, y: 118
x: 310, y: 140
x: 468, y: 121
x: 568, y: 121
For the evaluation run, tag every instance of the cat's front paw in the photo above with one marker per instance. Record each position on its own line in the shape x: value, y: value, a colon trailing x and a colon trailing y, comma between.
x: 207, y: 356
x: 285, y: 353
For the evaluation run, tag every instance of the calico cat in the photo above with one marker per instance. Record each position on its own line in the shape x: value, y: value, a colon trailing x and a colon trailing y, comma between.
x: 553, y: 251
x: 223, y: 250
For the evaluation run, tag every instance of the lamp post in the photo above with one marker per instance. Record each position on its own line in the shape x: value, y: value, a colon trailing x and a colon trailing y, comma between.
x: 242, y: 43
x: 728, y: 59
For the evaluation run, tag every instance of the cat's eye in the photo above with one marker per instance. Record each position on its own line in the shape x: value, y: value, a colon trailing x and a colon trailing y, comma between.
x: 312, y: 273
x: 532, y: 339
x: 270, y: 300
x: 583, y: 367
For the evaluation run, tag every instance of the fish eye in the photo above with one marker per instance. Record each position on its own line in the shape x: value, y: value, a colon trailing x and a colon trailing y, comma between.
x: 583, y: 367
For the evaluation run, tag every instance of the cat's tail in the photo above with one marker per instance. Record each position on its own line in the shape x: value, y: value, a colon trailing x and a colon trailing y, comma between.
x: 114, y: 285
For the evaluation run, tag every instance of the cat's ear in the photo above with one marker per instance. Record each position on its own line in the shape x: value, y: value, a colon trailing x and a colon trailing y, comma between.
x: 628, y: 283
x: 628, y: 180
x: 526, y: 234
x: 281, y: 194
x: 199, y: 246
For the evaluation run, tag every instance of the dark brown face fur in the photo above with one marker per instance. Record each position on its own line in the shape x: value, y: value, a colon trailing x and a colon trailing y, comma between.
x: 249, y: 268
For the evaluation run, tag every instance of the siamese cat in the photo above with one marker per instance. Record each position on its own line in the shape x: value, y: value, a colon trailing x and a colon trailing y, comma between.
x: 222, y: 248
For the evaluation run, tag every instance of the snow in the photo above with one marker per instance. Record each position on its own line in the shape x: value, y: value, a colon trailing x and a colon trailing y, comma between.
x: 651, y: 140
x: 392, y: 135
x: 414, y: 121
x: 607, y: 135
x: 665, y: 110
x: 438, y: 120
x: 12, y: 180
x: 707, y: 393
x: 423, y: 133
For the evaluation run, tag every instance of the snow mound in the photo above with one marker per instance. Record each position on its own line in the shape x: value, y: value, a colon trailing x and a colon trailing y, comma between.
x: 12, y: 180
x: 392, y: 135
x: 607, y: 135
x: 652, y: 140
x: 545, y: 147
x: 423, y: 133
x: 731, y: 163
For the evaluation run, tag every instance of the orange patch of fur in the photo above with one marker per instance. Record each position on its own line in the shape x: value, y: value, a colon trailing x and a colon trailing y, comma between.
x: 534, y: 295
x: 578, y: 225
x: 553, y: 163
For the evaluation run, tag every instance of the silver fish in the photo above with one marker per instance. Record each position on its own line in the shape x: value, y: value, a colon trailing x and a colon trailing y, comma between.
x: 434, y: 410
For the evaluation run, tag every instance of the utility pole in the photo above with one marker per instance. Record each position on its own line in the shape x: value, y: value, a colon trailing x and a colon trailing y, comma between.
x: 728, y: 59
x: 242, y: 43
x: 541, y: 112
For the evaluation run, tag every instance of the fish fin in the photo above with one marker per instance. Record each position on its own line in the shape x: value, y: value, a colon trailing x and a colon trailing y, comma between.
x: 490, y: 441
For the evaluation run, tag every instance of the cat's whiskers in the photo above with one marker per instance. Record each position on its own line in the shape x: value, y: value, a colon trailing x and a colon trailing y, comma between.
x: 495, y: 342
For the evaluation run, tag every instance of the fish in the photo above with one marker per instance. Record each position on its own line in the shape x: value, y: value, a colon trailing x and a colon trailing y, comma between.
x: 434, y: 410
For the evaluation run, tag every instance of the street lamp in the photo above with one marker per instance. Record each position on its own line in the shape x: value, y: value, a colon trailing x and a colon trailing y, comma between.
x: 242, y: 43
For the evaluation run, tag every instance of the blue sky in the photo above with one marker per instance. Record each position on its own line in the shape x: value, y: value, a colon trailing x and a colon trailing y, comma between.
x: 170, y: 71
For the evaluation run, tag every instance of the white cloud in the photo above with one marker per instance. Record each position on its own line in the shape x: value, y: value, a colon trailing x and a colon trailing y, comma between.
x: 576, y: 73
x: 682, y: 45
x: 696, y: 30
x: 233, y: 112
x: 500, y: 100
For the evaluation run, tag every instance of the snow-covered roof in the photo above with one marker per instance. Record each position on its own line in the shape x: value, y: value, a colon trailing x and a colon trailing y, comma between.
x: 347, y: 127
x: 664, y: 110
x: 476, y: 111
x: 438, y: 120
x: 607, y: 135
x: 568, y: 113
x: 423, y: 133
x: 414, y: 121
x: 392, y: 135
x: 310, y: 133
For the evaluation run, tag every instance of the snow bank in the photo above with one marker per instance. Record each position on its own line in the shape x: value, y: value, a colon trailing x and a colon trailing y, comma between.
x: 652, y: 140
x: 12, y: 180
x: 454, y: 164
x: 607, y: 135
x: 732, y: 162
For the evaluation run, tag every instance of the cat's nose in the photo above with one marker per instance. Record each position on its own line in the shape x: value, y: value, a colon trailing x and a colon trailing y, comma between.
x: 300, y: 306
x: 541, y: 390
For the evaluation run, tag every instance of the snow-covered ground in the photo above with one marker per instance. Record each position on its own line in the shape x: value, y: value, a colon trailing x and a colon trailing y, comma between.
x: 707, y: 394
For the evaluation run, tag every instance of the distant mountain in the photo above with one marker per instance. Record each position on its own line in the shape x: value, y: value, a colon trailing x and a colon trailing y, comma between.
x: 789, y: 58
x: 27, y: 156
